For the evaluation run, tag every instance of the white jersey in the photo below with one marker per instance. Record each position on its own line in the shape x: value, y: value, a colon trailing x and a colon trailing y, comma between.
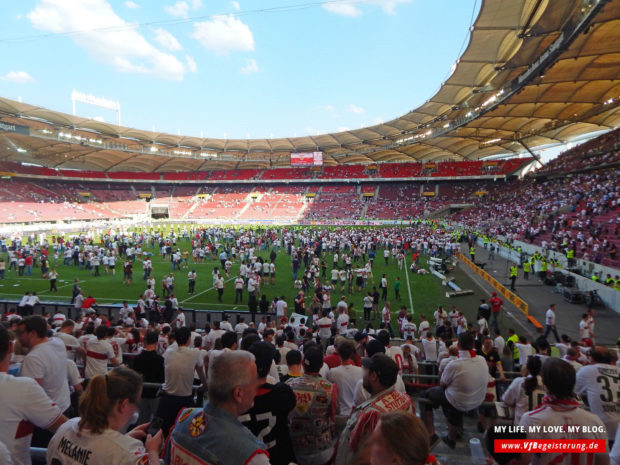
x: 346, y: 378
x: 550, y: 417
x: 515, y: 396
x: 601, y: 383
x: 98, y: 352
x: 396, y: 354
x: 325, y: 327
x: 23, y: 403
x: 424, y: 327
x: 342, y: 322
x: 409, y: 329
x: 430, y: 349
x: 48, y: 362
x: 69, y: 446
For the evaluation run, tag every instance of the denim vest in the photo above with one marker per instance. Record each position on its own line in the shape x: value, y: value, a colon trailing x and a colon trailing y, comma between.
x: 211, y: 436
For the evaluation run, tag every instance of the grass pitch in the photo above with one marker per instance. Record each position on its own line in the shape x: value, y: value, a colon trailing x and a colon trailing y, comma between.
x: 426, y: 291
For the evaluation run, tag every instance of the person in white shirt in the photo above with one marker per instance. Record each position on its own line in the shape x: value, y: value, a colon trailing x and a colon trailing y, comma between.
x: 342, y: 322
x: 191, y: 279
x: 525, y: 393
x: 463, y: 387
x: 241, y: 326
x: 394, y: 352
x: 346, y: 377
x: 325, y: 329
x: 180, y: 318
x: 215, y: 334
x: 560, y: 407
x: 108, y: 404
x: 72, y: 345
x: 408, y: 328
x: 600, y: 384
x: 33, y: 300
x: 499, y: 342
x: 281, y: 308
x: 453, y: 354
x: 46, y: 361
x: 225, y: 324
x: 180, y: 363
x: 525, y: 350
x: 431, y: 353
x: 550, y: 323
x: 58, y: 319
x: 239, y: 283
x: 23, y: 403
x: 98, y: 353
x: 424, y: 327
x: 584, y: 327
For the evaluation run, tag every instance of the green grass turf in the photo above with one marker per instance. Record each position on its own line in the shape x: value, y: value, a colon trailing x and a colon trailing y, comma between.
x: 426, y: 290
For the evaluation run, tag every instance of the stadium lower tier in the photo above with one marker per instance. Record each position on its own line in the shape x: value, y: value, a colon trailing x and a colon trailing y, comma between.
x: 580, y: 212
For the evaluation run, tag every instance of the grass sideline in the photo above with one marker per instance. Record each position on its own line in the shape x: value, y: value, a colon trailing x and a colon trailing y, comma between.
x: 427, y: 291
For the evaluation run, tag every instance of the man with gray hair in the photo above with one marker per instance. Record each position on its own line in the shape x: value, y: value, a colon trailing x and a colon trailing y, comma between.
x: 213, y: 434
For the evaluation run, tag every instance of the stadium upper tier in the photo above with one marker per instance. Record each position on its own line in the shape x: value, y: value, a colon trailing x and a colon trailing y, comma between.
x: 535, y: 72
x: 404, y: 171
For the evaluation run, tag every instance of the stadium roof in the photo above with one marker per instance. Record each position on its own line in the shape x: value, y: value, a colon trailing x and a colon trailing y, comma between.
x: 535, y: 72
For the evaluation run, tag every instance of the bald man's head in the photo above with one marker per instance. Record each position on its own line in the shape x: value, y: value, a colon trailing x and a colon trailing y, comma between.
x: 601, y: 354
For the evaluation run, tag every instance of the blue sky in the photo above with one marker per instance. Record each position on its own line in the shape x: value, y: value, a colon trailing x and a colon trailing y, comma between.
x: 236, y: 69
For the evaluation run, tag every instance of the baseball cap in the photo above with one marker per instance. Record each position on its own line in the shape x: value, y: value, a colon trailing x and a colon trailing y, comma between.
x: 359, y: 336
x: 495, y: 293
x: 384, y: 366
x: 313, y: 360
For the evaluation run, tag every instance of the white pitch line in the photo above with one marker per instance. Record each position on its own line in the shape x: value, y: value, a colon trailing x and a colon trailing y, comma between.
x: 64, y: 285
x: 408, y: 285
x: 200, y: 293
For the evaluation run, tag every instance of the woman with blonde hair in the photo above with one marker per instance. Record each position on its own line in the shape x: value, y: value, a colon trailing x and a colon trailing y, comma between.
x: 110, y: 402
x: 400, y: 438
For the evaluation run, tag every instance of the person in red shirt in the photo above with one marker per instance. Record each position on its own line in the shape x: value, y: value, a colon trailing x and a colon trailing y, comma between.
x: 496, y: 306
x: 89, y: 302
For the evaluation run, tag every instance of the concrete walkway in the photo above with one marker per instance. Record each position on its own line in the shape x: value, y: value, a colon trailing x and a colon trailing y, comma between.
x: 539, y: 296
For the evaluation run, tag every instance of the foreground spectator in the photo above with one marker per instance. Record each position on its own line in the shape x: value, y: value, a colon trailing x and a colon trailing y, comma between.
x: 151, y: 366
x: 598, y: 383
x: 108, y: 404
x: 400, y: 438
x: 313, y: 420
x: 22, y: 402
x: 380, y: 373
x: 560, y: 407
x: 463, y: 387
x: 213, y: 434
x: 180, y: 362
x: 46, y: 363
x: 268, y: 417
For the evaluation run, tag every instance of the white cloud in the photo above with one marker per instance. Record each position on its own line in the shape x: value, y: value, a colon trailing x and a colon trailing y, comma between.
x: 343, y: 129
x: 108, y: 38
x: 389, y: 6
x: 250, y: 67
x: 191, y: 63
x: 341, y: 7
x: 181, y: 8
x: 131, y: 5
x: 344, y: 9
x: 355, y: 109
x: 236, y: 6
x: 329, y: 107
x: 224, y: 34
x: 19, y: 77
x: 167, y: 40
